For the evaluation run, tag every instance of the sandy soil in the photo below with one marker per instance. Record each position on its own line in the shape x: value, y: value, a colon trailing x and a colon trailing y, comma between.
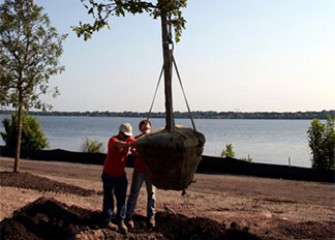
x: 265, y: 208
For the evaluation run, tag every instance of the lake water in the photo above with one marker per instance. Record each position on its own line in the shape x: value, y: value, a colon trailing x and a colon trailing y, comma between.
x: 265, y: 141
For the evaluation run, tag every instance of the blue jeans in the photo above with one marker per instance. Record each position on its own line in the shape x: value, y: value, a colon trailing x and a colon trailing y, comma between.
x: 114, y: 186
x: 137, y: 181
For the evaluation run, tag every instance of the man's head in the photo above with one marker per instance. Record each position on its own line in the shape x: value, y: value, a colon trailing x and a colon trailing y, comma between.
x: 145, y: 126
x: 126, y: 130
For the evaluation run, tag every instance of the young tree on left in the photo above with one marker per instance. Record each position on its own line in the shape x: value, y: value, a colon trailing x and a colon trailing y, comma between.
x: 29, y: 51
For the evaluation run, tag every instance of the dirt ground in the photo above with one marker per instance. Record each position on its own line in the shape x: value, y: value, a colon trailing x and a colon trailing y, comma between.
x: 53, y: 200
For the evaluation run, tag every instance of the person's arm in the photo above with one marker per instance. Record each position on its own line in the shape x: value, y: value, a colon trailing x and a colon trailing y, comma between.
x: 120, y: 144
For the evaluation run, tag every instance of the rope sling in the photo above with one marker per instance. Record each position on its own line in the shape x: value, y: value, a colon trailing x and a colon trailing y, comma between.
x: 172, y: 154
x: 182, y: 88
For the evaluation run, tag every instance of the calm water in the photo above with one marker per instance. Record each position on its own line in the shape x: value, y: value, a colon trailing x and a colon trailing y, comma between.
x: 265, y: 141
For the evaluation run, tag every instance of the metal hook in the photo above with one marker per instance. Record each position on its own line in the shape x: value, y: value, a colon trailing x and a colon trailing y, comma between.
x: 170, y: 31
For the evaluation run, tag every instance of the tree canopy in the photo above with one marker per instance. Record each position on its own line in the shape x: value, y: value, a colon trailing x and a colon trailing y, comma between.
x: 101, y: 10
x: 29, y: 52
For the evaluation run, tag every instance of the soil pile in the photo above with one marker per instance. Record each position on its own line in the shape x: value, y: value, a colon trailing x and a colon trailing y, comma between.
x: 46, y: 218
x: 42, y: 184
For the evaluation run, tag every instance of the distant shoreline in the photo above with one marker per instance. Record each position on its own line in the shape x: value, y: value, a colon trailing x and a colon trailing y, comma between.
x: 196, y: 114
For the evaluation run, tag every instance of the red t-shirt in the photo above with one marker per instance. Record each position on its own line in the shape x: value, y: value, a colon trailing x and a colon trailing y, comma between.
x: 139, y: 165
x: 116, y: 158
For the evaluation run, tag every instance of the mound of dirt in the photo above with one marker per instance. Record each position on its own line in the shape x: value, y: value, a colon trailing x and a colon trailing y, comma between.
x: 308, y: 230
x: 42, y: 184
x: 47, y: 218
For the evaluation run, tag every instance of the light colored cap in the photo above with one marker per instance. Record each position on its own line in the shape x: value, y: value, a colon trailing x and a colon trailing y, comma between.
x: 126, y: 129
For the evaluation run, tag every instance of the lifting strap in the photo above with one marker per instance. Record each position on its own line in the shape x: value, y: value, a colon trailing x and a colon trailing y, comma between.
x: 182, y: 88
x: 153, y: 100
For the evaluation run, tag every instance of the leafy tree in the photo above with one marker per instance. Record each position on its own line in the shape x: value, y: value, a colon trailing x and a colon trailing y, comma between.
x: 321, y: 138
x: 32, y: 135
x: 29, y: 52
x: 92, y: 146
x: 228, y: 151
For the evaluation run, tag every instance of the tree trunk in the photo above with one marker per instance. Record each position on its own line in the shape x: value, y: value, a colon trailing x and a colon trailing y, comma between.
x: 167, y: 56
x: 19, y: 134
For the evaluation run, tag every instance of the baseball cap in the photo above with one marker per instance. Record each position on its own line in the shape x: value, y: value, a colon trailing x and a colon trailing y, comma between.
x: 126, y: 129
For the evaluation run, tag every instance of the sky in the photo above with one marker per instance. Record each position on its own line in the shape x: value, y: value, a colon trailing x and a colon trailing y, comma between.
x: 234, y: 55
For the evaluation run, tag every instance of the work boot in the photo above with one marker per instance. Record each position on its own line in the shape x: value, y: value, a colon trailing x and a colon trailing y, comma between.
x: 123, y: 228
x: 130, y: 223
x: 152, y: 222
x: 111, y: 226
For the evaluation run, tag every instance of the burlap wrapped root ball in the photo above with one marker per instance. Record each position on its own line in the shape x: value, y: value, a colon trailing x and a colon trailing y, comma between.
x: 171, y: 157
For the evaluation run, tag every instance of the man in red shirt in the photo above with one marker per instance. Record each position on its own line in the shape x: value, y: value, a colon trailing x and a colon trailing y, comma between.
x: 140, y: 175
x: 114, y: 178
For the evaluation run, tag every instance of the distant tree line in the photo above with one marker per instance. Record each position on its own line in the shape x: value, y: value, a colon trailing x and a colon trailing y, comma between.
x: 197, y: 114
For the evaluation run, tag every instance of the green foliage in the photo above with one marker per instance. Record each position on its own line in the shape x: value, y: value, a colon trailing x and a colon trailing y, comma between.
x: 29, y: 50
x: 101, y: 10
x: 329, y: 142
x: 321, y: 138
x: 32, y: 135
x: 92, y: 146
x: 228, y: 151
x: 247, y: 159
